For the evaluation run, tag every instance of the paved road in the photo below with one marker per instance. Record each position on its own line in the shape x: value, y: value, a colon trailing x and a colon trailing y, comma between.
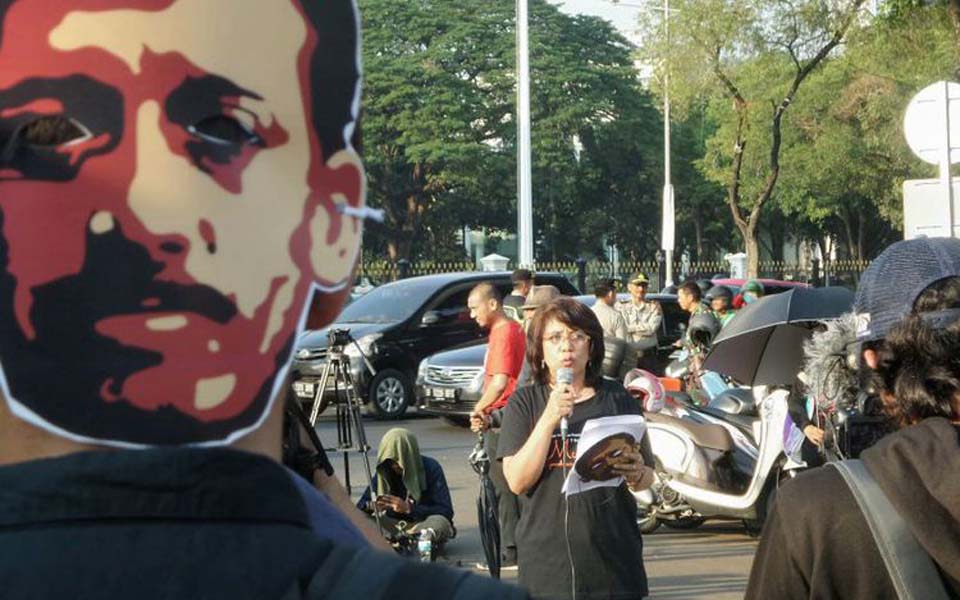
x: 710, y: 562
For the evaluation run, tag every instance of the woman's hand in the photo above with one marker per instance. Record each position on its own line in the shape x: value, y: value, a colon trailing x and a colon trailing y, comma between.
x: 638, y: 475
x: 395, y: 504
x: 560, y: 404
x: 814, y: 434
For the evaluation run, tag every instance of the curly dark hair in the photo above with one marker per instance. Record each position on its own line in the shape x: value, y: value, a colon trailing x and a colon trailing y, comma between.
x: 575, y: 315
x: 918, y: 363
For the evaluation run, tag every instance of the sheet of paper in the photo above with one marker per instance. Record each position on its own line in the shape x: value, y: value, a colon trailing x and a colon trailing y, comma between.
x: 601, y: 443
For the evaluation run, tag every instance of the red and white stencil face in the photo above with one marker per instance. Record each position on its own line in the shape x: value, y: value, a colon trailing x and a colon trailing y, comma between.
x: 156, y: 267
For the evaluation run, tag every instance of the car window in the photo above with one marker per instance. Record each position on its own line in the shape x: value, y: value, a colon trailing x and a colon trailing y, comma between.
x: 452, y: 308
x: 561, y: 283
x: 389, y: 303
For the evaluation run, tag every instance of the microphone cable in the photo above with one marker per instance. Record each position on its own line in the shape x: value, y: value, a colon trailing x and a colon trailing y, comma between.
x: 566, y: 514
x: 565, y: 375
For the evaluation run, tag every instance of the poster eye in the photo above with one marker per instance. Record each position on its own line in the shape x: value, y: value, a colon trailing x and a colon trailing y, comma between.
x: 52, y: 131
x: 222, y: 130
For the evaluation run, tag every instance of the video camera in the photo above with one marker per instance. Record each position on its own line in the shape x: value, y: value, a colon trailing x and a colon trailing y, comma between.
x: 339, y: 337
x: 852, y: 416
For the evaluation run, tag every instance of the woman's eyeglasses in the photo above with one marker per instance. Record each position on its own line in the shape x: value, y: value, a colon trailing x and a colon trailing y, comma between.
x: 577, y: 338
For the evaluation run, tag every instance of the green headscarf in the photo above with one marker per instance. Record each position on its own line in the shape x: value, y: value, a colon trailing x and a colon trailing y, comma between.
x: 401, y: 446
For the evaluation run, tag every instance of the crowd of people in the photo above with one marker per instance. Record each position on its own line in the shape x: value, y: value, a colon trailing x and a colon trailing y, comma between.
x: 818, y: 541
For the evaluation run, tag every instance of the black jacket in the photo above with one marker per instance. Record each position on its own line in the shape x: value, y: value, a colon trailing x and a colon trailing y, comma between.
x: 817, y: 544
x: 435, y: 500
x: 190, y: 523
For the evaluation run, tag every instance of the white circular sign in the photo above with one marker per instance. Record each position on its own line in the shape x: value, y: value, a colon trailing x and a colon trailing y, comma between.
x: 925, y: 122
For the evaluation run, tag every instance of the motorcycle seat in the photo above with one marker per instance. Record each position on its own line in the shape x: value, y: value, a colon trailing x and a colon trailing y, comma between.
x: 742, y: 422
x: 703, y: 434
x: 736, y: 401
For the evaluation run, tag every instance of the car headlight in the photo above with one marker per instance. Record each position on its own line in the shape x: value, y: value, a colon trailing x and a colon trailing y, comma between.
x: 422, y: 371
x: 366, y: 343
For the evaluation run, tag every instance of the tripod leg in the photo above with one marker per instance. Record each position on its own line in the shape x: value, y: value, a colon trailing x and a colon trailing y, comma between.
x: 353, y: 407
x: 322, y: 389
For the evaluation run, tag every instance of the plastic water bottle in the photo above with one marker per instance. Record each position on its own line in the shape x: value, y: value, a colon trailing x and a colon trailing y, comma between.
x: 425, y: 545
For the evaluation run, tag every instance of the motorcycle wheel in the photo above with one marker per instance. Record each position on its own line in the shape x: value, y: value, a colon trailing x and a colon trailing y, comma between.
x: 685, y: 523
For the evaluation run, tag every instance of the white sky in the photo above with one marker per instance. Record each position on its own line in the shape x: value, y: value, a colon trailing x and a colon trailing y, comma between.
x: 623, y: 17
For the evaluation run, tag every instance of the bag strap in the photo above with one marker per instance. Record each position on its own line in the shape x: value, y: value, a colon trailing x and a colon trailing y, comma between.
x: 911, y: 569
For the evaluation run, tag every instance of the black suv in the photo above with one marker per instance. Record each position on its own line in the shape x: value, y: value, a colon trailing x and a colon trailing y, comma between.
x: 450, y: 383
x: 397, y: 325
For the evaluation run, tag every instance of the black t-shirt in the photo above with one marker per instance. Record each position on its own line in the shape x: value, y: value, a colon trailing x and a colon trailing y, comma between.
x: 601, y: 524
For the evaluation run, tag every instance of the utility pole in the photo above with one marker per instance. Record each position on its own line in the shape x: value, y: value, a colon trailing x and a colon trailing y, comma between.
x: 524, y: 185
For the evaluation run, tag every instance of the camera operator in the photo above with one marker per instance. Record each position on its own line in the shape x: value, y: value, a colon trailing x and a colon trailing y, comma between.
x: 817, y: 542
x: 411, y: 491
x: 305, y: 455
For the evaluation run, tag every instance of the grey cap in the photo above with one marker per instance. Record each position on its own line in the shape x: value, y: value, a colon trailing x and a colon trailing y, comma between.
x: 894, y: 280
x: 540, y: 295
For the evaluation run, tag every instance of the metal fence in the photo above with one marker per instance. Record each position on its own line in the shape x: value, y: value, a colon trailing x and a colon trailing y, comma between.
x: 585, y: 274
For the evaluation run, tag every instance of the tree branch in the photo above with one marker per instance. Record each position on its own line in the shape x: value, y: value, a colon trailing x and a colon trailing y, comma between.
x: 805, y: 70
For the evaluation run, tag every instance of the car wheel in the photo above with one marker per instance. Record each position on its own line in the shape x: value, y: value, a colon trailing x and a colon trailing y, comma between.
x: 390, y: 394
x: 458, y: 420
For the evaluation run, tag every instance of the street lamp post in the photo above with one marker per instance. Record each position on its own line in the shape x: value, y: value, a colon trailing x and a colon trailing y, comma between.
x: 524, y: 186
x: 668, y: 223
x: 667, y: 231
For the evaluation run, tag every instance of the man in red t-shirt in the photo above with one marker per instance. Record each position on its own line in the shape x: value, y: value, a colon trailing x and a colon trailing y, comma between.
x: 502, y: 366
x: 505, y: 349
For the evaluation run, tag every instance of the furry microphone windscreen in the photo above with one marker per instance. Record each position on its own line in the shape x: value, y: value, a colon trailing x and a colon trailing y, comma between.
x: 830, y: 364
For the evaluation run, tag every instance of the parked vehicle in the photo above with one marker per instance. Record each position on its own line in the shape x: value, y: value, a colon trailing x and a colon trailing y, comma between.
x: 450, y: 383
x: 770, y: 286
x: 725, y: 460
x: 395, y: 326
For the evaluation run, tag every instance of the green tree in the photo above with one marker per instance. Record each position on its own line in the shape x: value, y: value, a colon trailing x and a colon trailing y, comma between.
x: 437, y: 90
x: 440, y: 136
x: 750, y: 57
x: 846, y: 156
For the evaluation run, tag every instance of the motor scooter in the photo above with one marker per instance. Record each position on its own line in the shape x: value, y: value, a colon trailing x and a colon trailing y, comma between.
x: 702, y: 386
x: 725, y: 460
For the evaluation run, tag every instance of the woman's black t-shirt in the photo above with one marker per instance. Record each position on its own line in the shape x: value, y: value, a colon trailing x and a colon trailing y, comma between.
x: 601, y: 524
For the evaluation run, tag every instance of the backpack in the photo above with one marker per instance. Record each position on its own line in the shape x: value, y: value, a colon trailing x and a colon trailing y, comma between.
x: 911, y: 569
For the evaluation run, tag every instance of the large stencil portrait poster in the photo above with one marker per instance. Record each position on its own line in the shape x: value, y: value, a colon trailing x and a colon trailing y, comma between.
x: 173, y: 175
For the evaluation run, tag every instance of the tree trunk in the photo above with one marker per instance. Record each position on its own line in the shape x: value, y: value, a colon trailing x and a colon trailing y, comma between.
x: 393, y: 247
x: 861, y: 226
x: 698, y: 231
x: 847, y: 221
x: 752, y: 242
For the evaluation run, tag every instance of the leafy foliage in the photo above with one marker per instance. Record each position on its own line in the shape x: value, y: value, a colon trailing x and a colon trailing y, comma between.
x: 440, y: 135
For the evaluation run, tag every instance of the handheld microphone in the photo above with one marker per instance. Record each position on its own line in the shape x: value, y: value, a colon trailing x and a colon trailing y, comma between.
x: 564, y: 376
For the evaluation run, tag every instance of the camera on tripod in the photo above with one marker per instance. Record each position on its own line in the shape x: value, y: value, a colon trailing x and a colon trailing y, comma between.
x: 338, y: 338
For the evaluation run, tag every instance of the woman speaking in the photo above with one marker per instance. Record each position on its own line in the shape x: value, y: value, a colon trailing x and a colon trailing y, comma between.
x: 587, y: 545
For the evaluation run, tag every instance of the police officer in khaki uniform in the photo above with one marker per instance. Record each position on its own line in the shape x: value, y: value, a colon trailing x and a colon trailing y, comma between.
x: 643, y: 317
